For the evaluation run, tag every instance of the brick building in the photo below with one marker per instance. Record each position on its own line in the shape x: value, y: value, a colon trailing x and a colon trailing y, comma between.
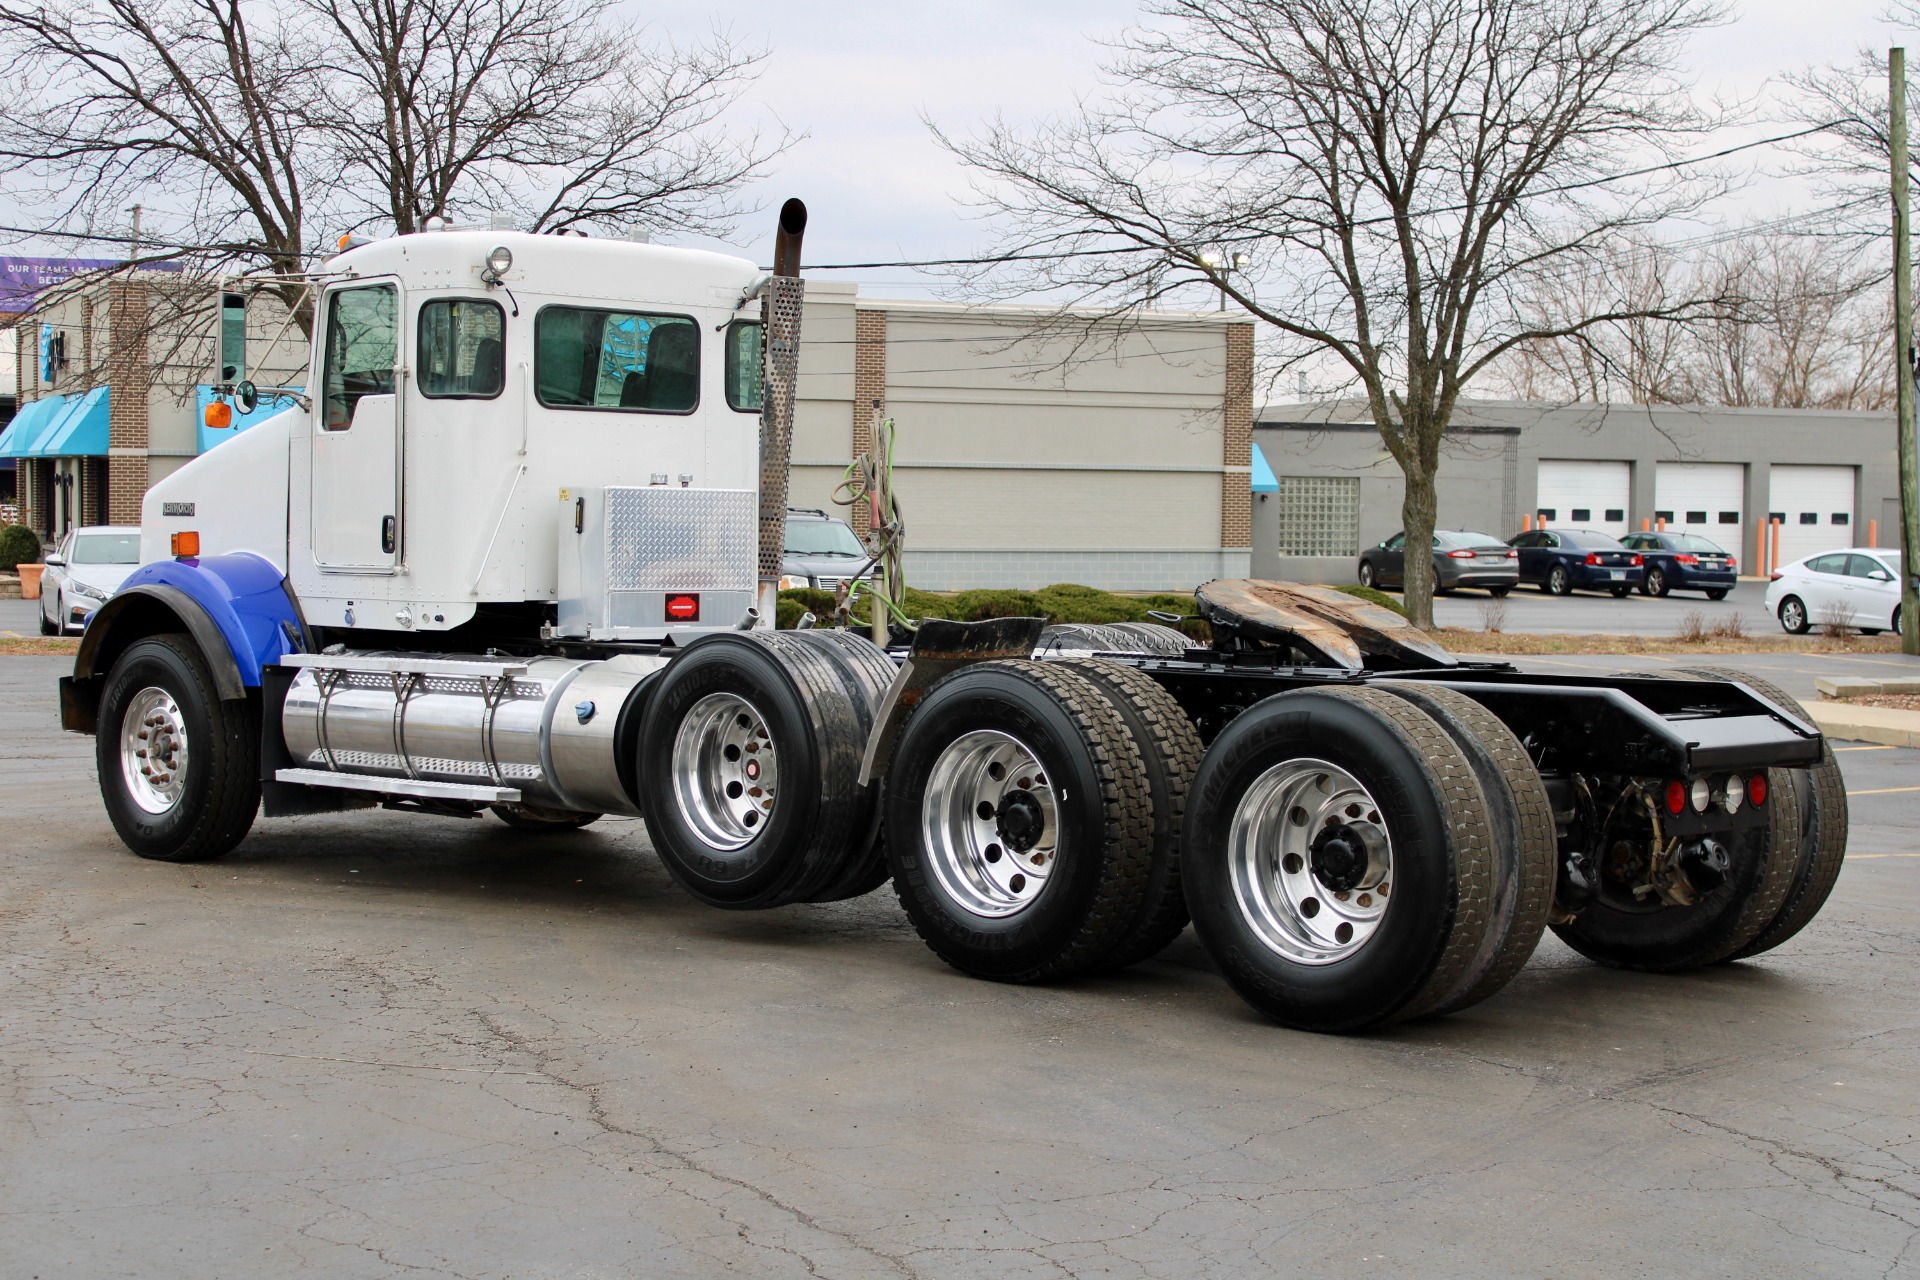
x: 111, y: 378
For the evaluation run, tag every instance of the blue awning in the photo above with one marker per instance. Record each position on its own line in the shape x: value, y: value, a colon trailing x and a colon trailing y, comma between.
x: 79, y: 432
x: 271, y: 402
x: 1263, y: 481
x: 34, y: 417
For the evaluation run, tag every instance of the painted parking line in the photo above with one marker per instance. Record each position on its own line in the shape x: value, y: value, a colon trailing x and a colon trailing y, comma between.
x: 1866, y: 748
x: 1882, y: 791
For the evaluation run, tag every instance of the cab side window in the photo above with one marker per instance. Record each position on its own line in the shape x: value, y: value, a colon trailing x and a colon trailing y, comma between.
x: 362, y: 347
x: 616, y: 360
x: 744, y: 368
x: 462, y: 349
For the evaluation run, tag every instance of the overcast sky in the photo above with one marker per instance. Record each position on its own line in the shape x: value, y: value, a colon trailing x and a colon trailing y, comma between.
x: 856, y: 76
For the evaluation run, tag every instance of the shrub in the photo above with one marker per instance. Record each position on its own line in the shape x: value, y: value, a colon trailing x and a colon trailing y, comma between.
x: 979, y: 605
x: 1693, y: 628
x: 1372, y: 596
x: 18, y: 545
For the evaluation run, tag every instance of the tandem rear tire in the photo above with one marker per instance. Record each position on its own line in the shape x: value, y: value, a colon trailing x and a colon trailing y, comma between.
x: 179, y: 769
x: 1338, y: 859
x: 749, y: 761
x: 1019, y: 822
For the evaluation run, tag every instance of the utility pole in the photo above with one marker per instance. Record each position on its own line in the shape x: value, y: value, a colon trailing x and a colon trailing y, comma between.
x: 1903, y: 354
x: 133, y: 243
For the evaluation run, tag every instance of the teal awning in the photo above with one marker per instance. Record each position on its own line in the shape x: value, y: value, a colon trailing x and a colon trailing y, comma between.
x: 34, y: 417
x: 79, y: 432
x: 1263, y: 481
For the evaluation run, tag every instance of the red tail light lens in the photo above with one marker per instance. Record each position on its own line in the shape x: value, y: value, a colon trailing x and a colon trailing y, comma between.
x: 1636, y: 562
x: 1732, y: 563
x: 1593, y: 557
x: 1462, y: 554
x: 1676, y: 796
x: 1685, y: 559
x: 1513, y: 555
x: 1775, y: 577
x: 1757, y: 790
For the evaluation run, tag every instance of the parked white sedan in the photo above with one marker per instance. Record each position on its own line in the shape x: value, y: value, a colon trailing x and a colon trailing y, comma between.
x: 88, y: 566
x: 1858, y: 587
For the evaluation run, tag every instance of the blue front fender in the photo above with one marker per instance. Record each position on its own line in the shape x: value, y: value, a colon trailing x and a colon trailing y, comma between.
x: 237, y: 607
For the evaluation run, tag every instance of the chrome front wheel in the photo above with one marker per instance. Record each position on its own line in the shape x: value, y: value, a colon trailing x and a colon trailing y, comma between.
x: 990, y: 823
x: 1311, y: 861
x: 725, y: 771
x: 153, y: 750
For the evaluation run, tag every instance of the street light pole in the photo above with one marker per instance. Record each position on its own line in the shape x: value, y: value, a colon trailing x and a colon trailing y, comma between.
x: 1903, y: 353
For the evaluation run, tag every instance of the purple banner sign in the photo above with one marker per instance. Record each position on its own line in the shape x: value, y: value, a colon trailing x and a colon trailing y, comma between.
x: 23, y: 279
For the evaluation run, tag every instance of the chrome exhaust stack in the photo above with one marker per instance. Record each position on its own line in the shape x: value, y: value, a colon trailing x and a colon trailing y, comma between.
x: 780, y: 305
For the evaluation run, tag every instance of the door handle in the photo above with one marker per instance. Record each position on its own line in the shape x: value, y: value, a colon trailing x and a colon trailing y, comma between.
x: 387, y: 529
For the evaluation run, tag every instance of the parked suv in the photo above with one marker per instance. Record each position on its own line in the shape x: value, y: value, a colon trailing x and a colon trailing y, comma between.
x: 820, y: 551
x: 1683, y: 562
x: 1460, y: 559
x: 1560, y: 561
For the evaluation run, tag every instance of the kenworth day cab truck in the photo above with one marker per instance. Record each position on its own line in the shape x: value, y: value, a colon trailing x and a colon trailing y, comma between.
x: 516, y: 553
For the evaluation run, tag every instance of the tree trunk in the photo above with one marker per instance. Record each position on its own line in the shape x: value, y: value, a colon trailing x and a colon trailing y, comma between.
x: 1418, y: 511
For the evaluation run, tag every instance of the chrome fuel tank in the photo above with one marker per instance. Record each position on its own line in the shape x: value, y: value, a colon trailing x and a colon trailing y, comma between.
x: 502, y: 722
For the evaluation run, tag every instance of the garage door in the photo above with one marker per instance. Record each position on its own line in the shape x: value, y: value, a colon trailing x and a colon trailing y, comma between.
x: 1703, y: 498
x: 1814, y: 506
x: 1584, y: 495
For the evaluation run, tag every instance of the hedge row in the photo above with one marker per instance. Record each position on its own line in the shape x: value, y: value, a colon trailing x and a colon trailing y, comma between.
x: 1062, y: 602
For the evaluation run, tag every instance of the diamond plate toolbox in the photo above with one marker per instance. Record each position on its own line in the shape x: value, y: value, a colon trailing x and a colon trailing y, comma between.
x: 662, y: 539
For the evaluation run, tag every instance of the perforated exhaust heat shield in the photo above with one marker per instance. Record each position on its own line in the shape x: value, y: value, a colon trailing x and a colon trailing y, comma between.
x: 780, y: 303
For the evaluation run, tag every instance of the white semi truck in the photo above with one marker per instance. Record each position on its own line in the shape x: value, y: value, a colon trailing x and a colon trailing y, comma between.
x: 514, y: 552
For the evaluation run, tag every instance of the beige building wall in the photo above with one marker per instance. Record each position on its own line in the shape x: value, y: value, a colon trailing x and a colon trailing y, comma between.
x: 1030, y: 452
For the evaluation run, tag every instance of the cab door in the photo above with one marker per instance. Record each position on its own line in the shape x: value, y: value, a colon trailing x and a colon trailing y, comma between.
x: 357, y: 435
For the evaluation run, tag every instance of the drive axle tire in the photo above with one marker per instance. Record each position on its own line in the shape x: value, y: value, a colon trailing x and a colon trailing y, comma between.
x: 1019, y: 822
x: 1525, y: 847
x: 1338, y: 859
x: 179, y: 768
x: 533, y: 817
x: 749, y: 762
x: 1170, y: 748
x: 1822, y: 796
x: 865, y: 672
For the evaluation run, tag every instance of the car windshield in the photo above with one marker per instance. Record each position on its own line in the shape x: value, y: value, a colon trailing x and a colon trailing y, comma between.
x: 1590, y: 540
x: 822, y: 538
x: 106, y: 548
x: 1687, y: 542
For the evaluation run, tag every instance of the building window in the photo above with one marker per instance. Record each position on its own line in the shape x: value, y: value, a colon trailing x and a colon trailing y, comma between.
x: 1666, y: 516
x: 1615, y: 515
x: 1548, y: 513
x: 1696, y: 517
x: 1319, y: 515
x: 1729, y: 517
x: 1583, y: 514
x: 744, y: 368
x: 1809, y: 517
x: 233, y: 337
x: 462, y: 349
x: 1839, y: 517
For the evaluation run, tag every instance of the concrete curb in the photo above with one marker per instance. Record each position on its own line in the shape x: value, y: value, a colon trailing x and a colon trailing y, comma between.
x: 1860, y: 687
x: 1881, y: 725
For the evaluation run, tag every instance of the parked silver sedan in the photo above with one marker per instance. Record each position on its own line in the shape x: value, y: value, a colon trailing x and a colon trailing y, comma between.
x: 88, y: 566
x: 1460, y: 559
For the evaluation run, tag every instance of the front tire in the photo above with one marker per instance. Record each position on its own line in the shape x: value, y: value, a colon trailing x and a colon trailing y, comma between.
x: 1338, y: 859
x: 1793, y: 616
x: 179, y: 768
x: 47, y: 626
x: 1368, y: 578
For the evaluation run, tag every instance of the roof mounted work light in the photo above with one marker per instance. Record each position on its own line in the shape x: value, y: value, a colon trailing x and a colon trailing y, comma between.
x: 499, y: 259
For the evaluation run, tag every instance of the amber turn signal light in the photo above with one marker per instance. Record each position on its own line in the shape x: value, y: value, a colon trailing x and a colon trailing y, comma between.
x: 186, y: 545
x: 219, y: 414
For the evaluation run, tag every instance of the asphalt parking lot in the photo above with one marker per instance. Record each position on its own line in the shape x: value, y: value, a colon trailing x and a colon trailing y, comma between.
x: 1531, y: 610
x: 376, y: 1044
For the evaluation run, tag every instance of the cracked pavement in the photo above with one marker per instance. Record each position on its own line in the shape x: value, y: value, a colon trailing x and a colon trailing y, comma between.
x: 383, y: 1045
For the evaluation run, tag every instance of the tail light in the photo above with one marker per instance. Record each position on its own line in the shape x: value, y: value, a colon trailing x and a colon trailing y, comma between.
x: 1676, y: 796
x: 1775, y: 576
x: 1636, y: 562
x: 1686, y: 559
x: 1733, y: 793
x: 1732, y: 563
x: 1462, y: 554
x: 1757, y: 790
x: 1701, y: 793
x: 1593, y: 557
x: 1513, y: 554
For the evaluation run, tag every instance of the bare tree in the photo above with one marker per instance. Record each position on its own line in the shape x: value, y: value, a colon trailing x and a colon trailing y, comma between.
x: 558, y: 113
x: 1400, y: 173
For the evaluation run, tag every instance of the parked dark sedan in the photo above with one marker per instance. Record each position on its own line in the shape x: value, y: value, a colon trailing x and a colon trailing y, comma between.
x: 1684, y: 562
x: 1560, y: 561
x: 1460, y: 559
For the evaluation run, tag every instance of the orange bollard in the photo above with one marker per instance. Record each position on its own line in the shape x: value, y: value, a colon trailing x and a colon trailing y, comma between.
x: 1663, y: 525
x: 1526, y: 523
x: 1646, y: 525
x: 1873, y: 533
x: 1760, y: 546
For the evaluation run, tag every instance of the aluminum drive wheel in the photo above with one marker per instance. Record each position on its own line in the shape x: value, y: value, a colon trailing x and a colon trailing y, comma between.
x: 153, y: 750
x: 725, y: 771
x: 1311, y: 861
x: 990, y: 824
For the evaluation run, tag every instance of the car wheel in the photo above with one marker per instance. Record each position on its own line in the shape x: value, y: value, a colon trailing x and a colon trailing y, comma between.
x: 1793, y: 616
x: 1368, y: 578
x: 1716, y: 593
x: 1559, y: 581
x: 179, y: 768
x: 1656, y: 582
x: 48, y: 627
x: 1498, y: 593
